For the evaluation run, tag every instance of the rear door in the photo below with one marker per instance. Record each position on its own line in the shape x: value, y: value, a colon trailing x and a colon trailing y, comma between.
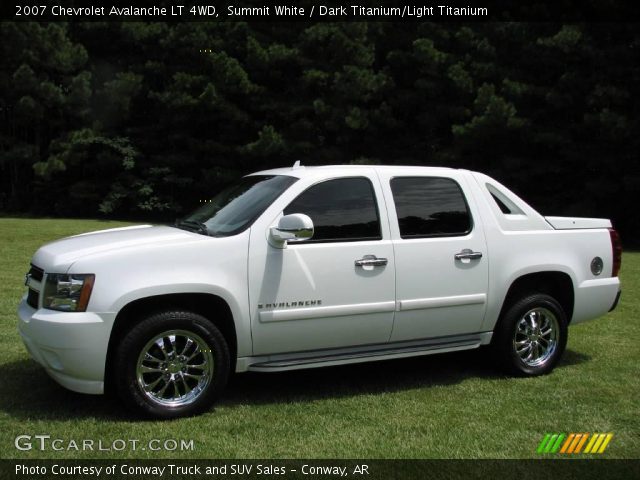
x: 440, y: 253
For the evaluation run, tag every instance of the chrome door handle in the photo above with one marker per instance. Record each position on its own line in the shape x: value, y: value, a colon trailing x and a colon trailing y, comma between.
x: 468, y: 254
x: 371, y: 261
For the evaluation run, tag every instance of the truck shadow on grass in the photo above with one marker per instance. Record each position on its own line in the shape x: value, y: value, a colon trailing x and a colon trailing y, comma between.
x: 28, y: 393
x: 369, y: 378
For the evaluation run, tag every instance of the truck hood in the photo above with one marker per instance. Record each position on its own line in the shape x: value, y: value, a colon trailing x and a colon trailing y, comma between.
x: 58, y: 256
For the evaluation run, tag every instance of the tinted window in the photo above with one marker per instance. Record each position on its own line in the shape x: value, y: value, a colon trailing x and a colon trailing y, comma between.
x: 343, y: 209
x: 430, y: 206
x: 236, y: 207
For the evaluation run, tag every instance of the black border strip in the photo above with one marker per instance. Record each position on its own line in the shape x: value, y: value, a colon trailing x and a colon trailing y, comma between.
x: 412, y: 11
x: 308, y: 469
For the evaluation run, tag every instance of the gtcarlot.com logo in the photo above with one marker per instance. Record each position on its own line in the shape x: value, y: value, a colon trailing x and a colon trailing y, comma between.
x: 46, y: 442
x: 574, y: 443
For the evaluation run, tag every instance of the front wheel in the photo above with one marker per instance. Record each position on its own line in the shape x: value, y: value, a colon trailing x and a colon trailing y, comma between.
x: 531, y: 335
x: 171, y: 364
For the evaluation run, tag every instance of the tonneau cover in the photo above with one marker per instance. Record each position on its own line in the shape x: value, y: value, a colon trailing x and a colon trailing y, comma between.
x: 571, y: 223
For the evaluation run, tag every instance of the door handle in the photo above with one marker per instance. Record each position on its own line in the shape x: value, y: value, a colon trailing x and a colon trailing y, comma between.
x: 468, y: 254
x: 371, y: 261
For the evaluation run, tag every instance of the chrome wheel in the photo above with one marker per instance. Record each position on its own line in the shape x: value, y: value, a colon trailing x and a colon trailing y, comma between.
x: 175, y: 368
x: 536, y: 337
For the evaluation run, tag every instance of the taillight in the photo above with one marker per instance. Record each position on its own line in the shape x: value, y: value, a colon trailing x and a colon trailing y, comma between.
x: 616, y: 247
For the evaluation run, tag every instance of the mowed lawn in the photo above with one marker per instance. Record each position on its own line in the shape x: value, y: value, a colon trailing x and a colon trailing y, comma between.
x: 441, y: 406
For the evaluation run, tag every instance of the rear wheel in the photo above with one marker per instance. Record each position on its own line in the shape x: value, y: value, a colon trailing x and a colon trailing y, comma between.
x: 531, y: 335
x: 172, y: 364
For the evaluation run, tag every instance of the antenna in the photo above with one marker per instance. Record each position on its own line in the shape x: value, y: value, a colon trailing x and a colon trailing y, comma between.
x: 296, y: 165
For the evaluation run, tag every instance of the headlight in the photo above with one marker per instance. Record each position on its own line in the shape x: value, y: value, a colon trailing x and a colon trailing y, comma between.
x: 67, y: 292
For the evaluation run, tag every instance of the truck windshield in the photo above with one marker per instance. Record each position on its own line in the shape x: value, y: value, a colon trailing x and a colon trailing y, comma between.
x: 236, y: 207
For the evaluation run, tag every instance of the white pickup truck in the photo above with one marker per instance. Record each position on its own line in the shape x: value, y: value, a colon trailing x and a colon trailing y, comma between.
x: 308, y: 267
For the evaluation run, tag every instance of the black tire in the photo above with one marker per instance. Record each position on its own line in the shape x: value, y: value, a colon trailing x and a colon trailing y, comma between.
x: 189, y: 355
x: 514, y: 340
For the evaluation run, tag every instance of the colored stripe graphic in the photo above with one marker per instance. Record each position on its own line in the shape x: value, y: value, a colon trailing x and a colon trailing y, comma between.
x: 567, y: 443
x: 574, y: 443
x: 598, y: 442
x: 606, y: 442
x: 581, y: 443
x: 591, y: 443
x: 555, y: 448
x: 551, y: 443
x: 543, y: 443
x: 576, y: 439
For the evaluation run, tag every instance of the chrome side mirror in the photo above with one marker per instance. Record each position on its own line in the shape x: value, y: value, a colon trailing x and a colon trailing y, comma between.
x: 296, y: 227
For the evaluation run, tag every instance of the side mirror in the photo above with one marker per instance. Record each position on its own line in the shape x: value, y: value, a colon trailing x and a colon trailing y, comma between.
x: 296, y: 227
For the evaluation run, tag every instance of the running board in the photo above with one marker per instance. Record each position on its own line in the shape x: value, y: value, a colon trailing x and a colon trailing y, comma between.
x: 368, y: 353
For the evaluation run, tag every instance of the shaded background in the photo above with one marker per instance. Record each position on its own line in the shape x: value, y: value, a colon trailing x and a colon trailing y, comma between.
x: 144, y: 120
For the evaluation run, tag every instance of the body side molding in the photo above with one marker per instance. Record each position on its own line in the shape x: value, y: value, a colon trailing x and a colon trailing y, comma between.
x: 289, y: 314
x: 454, y: 301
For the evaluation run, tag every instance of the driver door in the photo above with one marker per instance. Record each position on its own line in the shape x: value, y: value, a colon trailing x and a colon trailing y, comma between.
x: 312, y: 295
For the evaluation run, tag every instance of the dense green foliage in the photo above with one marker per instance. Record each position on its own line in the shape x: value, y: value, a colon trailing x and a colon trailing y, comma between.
x: 133, y: 119
x: 440, y: 406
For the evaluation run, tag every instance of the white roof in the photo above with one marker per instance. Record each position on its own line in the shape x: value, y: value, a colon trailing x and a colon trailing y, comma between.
x: 302, y: 171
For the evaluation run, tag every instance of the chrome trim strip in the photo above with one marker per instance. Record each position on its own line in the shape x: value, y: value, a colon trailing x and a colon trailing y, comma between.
x: 290, y: 314
x: 439, y: 302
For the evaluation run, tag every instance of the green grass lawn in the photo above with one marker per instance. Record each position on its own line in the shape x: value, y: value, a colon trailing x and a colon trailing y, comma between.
x: 441, y: 406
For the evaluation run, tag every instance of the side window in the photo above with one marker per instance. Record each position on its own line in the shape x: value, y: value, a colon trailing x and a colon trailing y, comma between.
x: 430, y: 207
x: 342, y: 210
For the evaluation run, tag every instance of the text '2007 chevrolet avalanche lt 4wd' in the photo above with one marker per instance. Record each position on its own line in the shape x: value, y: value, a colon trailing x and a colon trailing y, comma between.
x: 309, y: 267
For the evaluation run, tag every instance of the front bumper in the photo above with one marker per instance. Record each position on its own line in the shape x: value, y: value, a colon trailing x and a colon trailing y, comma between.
x: 71, y: 346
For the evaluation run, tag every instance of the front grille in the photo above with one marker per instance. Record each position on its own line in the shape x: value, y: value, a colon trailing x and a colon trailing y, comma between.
x: 32, y: 298
x: 36, y: 273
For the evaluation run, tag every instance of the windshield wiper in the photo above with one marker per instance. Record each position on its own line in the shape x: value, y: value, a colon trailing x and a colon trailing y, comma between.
x: 193, y: 226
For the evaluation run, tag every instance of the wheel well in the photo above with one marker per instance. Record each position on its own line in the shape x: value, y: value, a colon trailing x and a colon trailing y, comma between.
x: 555, y: 284
x: 203, y: 304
